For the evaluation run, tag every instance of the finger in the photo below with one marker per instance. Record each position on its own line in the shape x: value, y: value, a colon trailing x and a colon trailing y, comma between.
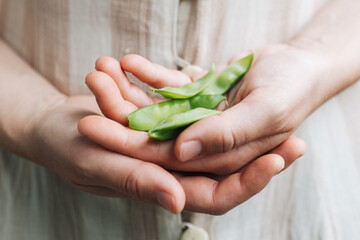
x: 247, y: 121
x: 130, y: 178
x: 108, y: 97
x: 290, y: 150
x: 210, y: 196
x: 129, y: 91
x: 137, y: 144
x: 229, y: 162
x: 153, y: 74
x: 118, y: 138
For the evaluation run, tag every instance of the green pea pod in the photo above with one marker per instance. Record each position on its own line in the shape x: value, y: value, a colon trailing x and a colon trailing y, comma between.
x: 170, y: 127
x: 188, y: 90
x: 150, y: 116
x: 206, y: 101
x: 227, y: 78
x: 166, y: 134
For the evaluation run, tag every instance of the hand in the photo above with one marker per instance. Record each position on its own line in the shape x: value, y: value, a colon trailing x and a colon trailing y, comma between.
x: 57, y: 145
x: 214, y: 195
x: 116, y: 95
x: 275, y: 96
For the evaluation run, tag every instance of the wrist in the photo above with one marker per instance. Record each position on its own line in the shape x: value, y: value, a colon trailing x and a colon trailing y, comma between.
x: 20, y: 129
x: 329, y: 75
x: 340, y: 61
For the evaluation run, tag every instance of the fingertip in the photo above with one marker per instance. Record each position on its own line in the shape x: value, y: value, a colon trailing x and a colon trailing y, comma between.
x: 174, y: 202
x: 296, y: 146
x: 301, y: 147
x: 105, y: 63
x: 173, y: 197
x: 259, y: 172
x: 271, y: 164
x: 170, y: 194
x: 99, y: 81
x: 90, y: 77
x: 278, y: 163
x: 128, y: 62
x: 291, y: 149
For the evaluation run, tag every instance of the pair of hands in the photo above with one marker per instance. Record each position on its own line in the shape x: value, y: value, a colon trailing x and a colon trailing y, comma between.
x: 113, y: 160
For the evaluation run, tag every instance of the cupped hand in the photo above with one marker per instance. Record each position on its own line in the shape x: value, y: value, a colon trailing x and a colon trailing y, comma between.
x: 58, y: 146
x: 204, y: 193
x: 275, y: 96
x: 116, y: 98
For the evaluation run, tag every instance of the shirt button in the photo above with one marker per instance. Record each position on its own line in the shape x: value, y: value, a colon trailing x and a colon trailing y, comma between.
x: 191, y: 232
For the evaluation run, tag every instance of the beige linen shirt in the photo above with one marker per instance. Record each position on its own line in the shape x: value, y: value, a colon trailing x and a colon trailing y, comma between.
x: 317, y: 198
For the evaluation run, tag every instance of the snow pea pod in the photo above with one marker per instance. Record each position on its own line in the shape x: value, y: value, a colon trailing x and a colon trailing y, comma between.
x: 226, y: 79
x: 206, y: 101
x: 166, y: 134
x: 150, y: 116
x: 188, y: 90
x: 174, y: 124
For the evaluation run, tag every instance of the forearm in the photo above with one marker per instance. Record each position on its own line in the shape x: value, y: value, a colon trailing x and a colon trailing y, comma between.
x: 334, y: 33
x: 24, y: 96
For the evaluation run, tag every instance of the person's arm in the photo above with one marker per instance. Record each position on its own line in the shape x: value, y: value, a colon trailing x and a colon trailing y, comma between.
x: 24, y: 94
x: 286, y: 83
x: 334, y: 33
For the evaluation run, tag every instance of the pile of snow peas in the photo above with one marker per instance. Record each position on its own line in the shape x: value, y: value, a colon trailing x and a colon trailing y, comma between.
x: 188, y: 104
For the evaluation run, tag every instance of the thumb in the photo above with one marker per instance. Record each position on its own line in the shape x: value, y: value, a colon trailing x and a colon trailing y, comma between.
x: 249, y: 120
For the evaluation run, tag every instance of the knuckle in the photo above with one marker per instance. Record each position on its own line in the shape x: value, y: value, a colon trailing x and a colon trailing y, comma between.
x: 228, y: 139
x: 83, y: 172
x: 239, y: 136
x: 252, y: 187
x: 124, y: 140
x: 132, y: 183
x: 216, y: 207
x: 225, y: 139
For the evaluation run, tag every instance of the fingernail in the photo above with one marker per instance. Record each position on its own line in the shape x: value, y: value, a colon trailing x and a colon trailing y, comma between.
x: 279, y: 166
x: 189, y: 150
x: 165, y: 200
